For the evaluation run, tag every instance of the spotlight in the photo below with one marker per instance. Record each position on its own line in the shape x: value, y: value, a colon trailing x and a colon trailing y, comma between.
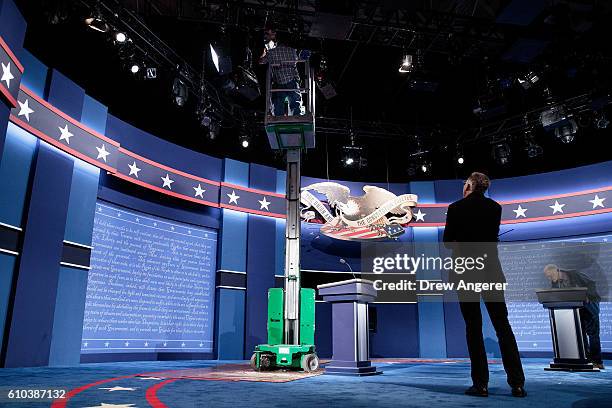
x: 223, y: 64
x: 120, y: 37
x: 352, y: 156
x: 205, y: 120
x: 501, y: 153
x: 215, y: 57
x: 567, y: 132
x: 601, y: 121
x: 97, y: 24
x: 179, y: 92
x: 244, y: 141
x: 532, y: 149
x: 554, y: 117
x: 425, y: 167
x: 213, y: 131
x: 406, y: 65
x: 529, y: 80
x: 134, y: 68
x: 460, y: 160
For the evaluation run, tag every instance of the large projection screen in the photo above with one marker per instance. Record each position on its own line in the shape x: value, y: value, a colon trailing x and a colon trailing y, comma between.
x: 151, y: 284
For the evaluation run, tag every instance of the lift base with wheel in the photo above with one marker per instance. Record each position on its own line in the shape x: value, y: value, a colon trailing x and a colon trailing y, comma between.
x: 276, y: 354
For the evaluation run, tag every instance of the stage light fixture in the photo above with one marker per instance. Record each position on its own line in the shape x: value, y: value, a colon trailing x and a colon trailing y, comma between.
x: 460, y: 160
x: 97, y: 24
x: 134, y: 68
x: 179, y: 92
x: 353, y: 156
x: 554, y: 117
x: 529, y: 80
x: 120, y: 37
x: 244, y: 142
x: 601, y: 121
x: 215, y: 57
x: 567, y: 132
x: 213, y: 131
x: 205, y: 120
x: 150, y: 73
x: 532, y: 149
x: 406, y: 65
x: 501, y: 153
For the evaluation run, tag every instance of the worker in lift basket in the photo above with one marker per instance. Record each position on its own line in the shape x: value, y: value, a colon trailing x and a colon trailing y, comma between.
x: 282, y: 60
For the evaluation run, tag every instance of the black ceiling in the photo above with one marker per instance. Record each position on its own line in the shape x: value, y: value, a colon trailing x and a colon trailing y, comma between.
x: 473, y: 50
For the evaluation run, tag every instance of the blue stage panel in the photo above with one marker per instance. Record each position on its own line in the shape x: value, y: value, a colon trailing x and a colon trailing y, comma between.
x: 151, y: 286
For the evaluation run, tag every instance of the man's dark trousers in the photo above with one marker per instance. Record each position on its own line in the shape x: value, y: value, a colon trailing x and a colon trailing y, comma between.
x: 498, y: 312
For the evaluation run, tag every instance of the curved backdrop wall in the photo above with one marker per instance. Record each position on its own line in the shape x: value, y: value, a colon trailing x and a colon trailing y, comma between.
x: 64, y: 159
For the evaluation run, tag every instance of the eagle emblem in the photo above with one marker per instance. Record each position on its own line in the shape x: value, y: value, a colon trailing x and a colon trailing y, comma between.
x: 377, y: 214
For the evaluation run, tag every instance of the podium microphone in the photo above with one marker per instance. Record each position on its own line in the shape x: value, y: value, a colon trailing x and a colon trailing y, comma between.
x: 343, y: 261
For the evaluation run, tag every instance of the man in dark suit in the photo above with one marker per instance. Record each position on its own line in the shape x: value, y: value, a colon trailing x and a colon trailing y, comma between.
x: 472, y: 229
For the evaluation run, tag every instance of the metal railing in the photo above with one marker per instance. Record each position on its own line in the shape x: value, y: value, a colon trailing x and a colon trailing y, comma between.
x: 305, y: 89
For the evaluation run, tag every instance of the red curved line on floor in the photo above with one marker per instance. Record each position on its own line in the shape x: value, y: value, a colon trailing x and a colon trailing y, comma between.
x: 151, y: 394
x: 61, y: 403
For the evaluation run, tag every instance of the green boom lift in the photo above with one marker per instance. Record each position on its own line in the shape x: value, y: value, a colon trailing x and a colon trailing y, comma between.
x: 291, y: 310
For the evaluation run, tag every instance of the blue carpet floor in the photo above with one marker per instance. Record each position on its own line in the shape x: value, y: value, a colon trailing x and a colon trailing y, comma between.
x: 430, y: 385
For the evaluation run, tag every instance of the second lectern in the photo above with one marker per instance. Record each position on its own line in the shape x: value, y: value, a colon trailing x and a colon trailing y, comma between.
x: 350, y: 338
x: 566, y: 328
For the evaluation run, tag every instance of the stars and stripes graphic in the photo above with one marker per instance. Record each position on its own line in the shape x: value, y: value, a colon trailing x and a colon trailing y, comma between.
x: 39, y: 117
x: 156, y: 176
x: 576, y: 204
x: 11, y: 71
x: 252, y: 200
x: 581, y: 203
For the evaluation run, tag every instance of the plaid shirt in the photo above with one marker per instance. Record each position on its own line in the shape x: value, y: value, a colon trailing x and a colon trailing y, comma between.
x: 286, y: 57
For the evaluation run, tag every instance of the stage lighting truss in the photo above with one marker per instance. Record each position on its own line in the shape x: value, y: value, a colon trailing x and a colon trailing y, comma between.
x: 143, y: 45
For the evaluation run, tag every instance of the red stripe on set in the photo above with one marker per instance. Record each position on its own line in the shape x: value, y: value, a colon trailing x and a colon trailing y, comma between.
x: 170, y: 169
x: 11, y: 55
x: 8, y: 96
x: 60, y: 145
x: 164, y: 191
x: 252, y: 190
x: 75, y: 122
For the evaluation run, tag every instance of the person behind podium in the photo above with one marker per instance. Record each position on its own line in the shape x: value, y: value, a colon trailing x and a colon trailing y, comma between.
x: 476, y: 219
x: 563, y: 278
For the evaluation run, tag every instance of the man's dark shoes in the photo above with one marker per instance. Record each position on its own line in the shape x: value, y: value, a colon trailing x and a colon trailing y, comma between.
x: 599, y: 365
x: 477, y: 391
x: 519, y: 392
